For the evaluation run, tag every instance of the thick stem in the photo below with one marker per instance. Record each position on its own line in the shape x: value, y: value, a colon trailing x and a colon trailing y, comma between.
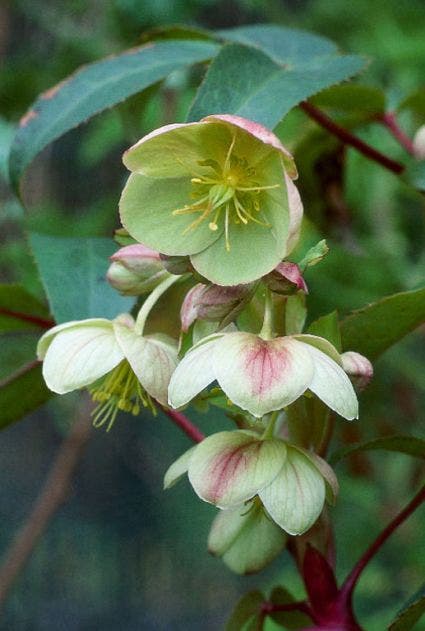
x: 151, y: 301
x: 390, y: 122
x: 349, y: 139
x: 183, y: 422
x: 351, y: 580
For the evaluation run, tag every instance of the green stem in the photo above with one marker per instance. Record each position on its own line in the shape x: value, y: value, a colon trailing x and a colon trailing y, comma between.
x: 267, y: 329
x: 151, y: 300
x: 269, y: 431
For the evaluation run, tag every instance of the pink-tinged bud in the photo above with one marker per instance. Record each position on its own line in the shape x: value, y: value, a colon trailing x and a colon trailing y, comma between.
x: 419, y: 143
x: 358, y: 368
x: 214, y: 303
x: 135, y: 270
x: 286, y: 279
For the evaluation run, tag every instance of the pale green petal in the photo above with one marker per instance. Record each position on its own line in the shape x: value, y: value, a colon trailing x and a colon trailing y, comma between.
x: 194, y: 372
x: 246, y: 538
x: 328, y: 474
x: 229, y: 468
x: 322, y: 344
x: 146, y: 208
x: 261, y: 376
x: 296, y: 496
x: 46, y: 339
x: 178, y: 469
x: 295, y: 215
x: 331, y: 384
x: 79, y: 355
x: 175, y: 150
x: 152, y: 359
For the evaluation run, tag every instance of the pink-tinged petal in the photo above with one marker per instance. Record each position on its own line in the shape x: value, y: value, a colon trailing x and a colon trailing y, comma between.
x: 259, y: 375
x: 135, y: 252
x: 79, y: 355
x: 48, y: 337
x: 153, y: 359
x: 229, y: 468
x: 190, y: 305
x: 178, y: 469
x: 286, y: 278
x: 194, y: 373
x: 295, y: 215
x: 331, y: 384
x: 261, y: 133
x: 295, y: 498
x: 358, y: 367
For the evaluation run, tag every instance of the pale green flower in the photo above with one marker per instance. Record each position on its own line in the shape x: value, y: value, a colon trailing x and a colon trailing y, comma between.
x: 219, y: 190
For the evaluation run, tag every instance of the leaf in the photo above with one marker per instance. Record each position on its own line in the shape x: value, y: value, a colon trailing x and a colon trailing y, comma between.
x: 412, y: 611
x: 409, y: 445
x: 20, y: 311
x: 94, y: 88
x: 247, y: 82
x: 73, y: 274
x: 374, y: 328
x: 363, y: 101
x: 414, y: 175
x: 22, y: 392
x: 245, y: 611
x: 414, y: 102
x: 328, y: 327
x: 288, y: 619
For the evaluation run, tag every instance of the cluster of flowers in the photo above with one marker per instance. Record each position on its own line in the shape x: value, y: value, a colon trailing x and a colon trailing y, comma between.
x: 215, y: 200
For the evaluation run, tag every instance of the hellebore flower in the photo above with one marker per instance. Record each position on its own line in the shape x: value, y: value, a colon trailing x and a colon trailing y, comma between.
x: 135, y: 270
x: 213, y: 303
x: 230, y: 468
x: 219, y: 190
x: 122, y: 369
x: 264, y: 375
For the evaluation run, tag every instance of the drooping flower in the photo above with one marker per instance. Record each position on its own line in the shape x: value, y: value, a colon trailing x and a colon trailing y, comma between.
x: 136, y: 270
x: 262, y: 375
x: 219, y: 190
x: 122, y: 369
x: 228, y: 469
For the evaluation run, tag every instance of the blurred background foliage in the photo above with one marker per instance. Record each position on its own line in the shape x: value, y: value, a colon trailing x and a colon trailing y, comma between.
x: 121, y: 552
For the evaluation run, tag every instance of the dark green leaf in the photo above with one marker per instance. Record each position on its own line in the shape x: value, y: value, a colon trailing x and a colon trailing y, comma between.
x: 328, y: 327
x: 94, y: 88
x: 402, y: 444
x: 20, y: 311
x: 361, y: 100
x: 377, y: 326
x: 288, y: 619
x: 414, y: 174
x: 415, y: 102
x: 412, y: 611
x: 73, y: 274
x: 245, y: 612
x: 247, y: 82
x: 22, y: 392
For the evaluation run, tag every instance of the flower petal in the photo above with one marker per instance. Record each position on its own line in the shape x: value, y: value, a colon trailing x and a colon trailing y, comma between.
x: 146, y: 209
x: 296, y: 496
x: 178, y: 468
x: 194, y: 372
x: 259, y: 375
x: 229, y: 468
x: 246, y: 538
x: 80, y: 354
x: 331, y: 384
x: 295, y: 215
x: 153, y: 359
x: 46, y: 339
x: 320, y: 343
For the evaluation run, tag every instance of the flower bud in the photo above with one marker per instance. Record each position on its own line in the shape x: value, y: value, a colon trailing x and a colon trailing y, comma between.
x: 213, y: 303
x: 419, y: 143
x: 135, y: 270
x: 286, y: 278
x: 358, y: 368
x: 176, y: 264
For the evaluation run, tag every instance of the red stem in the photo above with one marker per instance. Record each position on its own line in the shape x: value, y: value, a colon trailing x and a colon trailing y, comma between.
x: 351, y: 580
x: 18, y: 373
x: 183, y: 422
x: 43, y: 323
x: 389, y: 121
x: 349, y: 139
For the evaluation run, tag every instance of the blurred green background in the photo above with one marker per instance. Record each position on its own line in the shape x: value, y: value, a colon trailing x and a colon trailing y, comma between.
x: 121, y: 552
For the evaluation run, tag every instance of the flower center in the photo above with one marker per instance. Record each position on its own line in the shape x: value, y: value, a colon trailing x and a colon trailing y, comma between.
x: 118, y: 390
x: 225, y: 193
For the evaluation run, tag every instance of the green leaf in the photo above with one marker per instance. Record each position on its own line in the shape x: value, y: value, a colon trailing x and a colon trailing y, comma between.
x: 414, y: 102
x: 94, y: 88
x: 414, y: 174
x: 374, y: 328
x: 328, y: 327
x: 412, y: 611
x: 362, y: 101
x: 247, y: 82
x: 245, y: 611
x: 287, y: 619
x: 73, y: 274
x: 409, y: 445
x: 20, y: 311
